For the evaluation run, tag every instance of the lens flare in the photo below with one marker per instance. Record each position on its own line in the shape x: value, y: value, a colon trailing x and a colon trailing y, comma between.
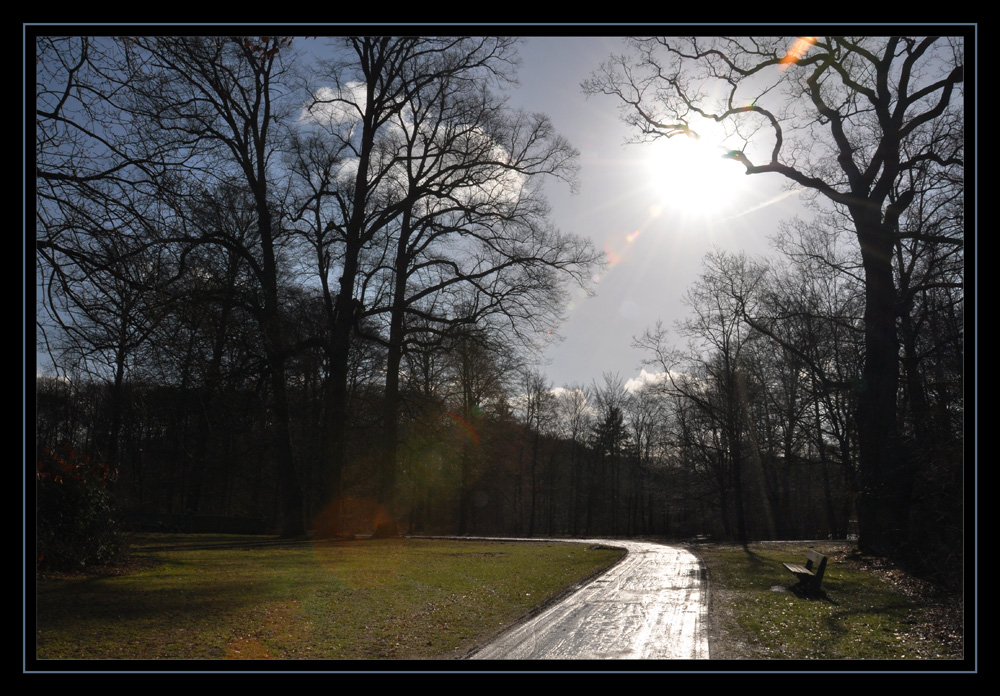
x: 618, y: 248
x: 465, y: 425
x: 797, y: 51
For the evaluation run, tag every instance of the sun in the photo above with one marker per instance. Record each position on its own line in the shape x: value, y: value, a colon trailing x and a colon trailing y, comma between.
x: 691, y: 176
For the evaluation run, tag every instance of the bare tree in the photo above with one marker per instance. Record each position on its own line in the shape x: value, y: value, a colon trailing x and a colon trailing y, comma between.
x: 611, y: 442
x: 478, y: 376
x: 646, y: 414
x: 221, y: 99
x: 347, y: 164
x: 100, y: 273
x: 537, y: 412
x: 863, y: 122
x: 451, y: 229
x: 574, y: 416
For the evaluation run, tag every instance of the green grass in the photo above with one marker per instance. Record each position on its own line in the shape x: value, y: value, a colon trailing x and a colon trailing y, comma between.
x: 860, y: 614
x: 215, y: 597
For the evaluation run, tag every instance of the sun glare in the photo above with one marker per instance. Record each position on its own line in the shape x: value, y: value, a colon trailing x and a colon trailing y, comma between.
x: 691, y: 176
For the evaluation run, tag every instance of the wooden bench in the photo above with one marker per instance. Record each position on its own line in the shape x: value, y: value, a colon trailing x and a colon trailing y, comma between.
x: 811, y: 574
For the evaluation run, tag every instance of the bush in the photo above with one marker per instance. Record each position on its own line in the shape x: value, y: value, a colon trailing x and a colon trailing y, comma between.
x: 77, y: 521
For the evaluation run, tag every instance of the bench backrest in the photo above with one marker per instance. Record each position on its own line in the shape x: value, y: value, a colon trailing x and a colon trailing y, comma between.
x: 816, y: 562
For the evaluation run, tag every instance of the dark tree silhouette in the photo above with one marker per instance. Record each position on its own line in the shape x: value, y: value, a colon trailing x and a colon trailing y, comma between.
x: 867, y: 123
x: 219, y: 99
x: 440, y: 224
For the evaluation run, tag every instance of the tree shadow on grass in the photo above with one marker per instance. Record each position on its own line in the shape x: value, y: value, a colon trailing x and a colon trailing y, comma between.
x: 757, y: 561
x: 221, y: 542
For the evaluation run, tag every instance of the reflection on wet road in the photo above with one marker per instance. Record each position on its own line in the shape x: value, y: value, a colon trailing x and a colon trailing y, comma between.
x: 649, y: 606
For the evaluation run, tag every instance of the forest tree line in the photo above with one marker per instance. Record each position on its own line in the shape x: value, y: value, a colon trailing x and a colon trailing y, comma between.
x: 314, y: 294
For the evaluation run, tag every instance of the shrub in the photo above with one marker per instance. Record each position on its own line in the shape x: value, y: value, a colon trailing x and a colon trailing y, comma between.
x: 77, y: 522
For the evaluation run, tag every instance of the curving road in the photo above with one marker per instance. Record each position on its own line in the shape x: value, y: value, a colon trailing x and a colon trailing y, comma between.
x: 651, y: 605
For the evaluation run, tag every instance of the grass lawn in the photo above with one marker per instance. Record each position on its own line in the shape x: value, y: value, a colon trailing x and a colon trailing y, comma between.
x: 236, y: 597
x: 220, y: 596
x: 867, y: 609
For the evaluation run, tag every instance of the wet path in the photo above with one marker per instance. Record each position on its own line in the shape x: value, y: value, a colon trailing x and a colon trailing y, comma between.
x: 652, y: 605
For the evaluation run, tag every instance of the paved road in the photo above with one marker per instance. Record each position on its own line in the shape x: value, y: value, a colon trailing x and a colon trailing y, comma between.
x: 651, y: 605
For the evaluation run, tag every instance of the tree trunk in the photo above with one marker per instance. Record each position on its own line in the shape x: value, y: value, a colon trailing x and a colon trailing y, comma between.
x: 292, y: 523
x: 385, y: 523
x: 882, y: 507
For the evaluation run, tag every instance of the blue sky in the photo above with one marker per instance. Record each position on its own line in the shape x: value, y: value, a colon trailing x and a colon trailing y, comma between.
x: 655, y: 249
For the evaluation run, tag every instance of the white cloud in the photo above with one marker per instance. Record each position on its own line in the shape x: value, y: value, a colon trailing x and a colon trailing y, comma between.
x: 560, y: 391
x: 342, y: 111
x: 333, y: 108
x: 637, y: 383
